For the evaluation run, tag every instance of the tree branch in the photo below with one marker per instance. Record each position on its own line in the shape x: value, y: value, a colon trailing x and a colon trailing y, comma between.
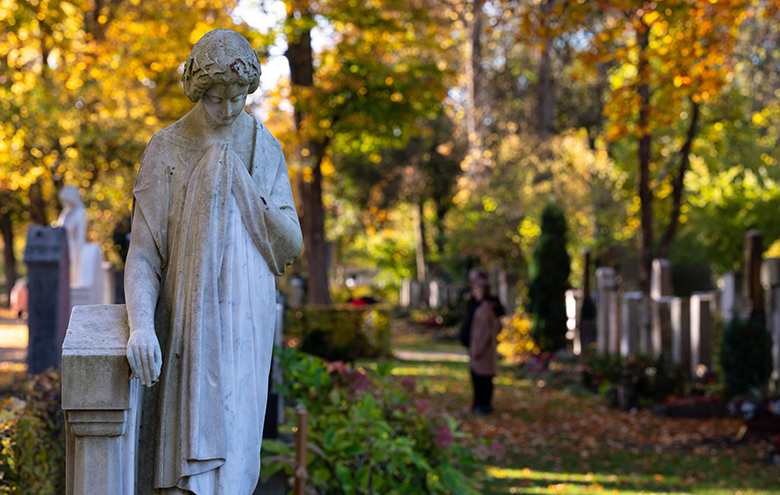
x: 679, y: 184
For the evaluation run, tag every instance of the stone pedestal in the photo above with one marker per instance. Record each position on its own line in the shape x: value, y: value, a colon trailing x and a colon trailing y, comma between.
x: 681, y: 332
x: 100, y: 403
x: 48, y: 274
x: 631, y: 311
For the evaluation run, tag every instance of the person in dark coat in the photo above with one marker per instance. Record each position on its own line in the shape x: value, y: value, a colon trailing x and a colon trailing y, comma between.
x: 483, y: 352
x: 476, y: 277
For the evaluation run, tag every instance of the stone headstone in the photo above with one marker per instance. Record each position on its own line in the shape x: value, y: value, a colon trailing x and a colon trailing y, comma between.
x: 615, y: 323
x: 701, y: 332
x: 437, y: 294
x: 661, y: 279
x: 405, y: 299
x: 661, y: 326
x: 681, y: 332
x: 605, y: 284
x: 573, y: 307
x: 770, y: 279
x: 731, y: 300
x: 631, y: 309
x: 48, y: 274
x: 416, y: 295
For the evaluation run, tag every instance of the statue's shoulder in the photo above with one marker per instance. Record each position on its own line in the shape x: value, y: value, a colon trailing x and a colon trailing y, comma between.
x: 267, y: 140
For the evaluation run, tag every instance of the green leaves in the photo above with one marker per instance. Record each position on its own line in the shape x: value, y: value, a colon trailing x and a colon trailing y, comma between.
x: 372, y: 440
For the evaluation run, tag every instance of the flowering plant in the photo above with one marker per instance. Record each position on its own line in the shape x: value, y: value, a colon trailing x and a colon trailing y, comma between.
x: 369, y: 432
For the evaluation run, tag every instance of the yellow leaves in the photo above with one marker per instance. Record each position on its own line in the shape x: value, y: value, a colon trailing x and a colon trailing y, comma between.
x: 389, y: 81
x: 397, y: 97
x: 651, y: 17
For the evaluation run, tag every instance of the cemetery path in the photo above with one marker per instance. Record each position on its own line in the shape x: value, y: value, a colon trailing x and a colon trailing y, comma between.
x: 549, y: 438
x: 13, y: 338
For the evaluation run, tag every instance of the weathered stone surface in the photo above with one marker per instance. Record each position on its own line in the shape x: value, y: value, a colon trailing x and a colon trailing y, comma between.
x: 100, y: 402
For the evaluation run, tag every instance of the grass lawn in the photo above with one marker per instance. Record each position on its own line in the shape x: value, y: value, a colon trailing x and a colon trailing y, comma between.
x: 552, y: 441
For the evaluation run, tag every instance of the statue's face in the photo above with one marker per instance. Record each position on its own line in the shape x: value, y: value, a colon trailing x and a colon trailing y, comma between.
x: 225, y: 102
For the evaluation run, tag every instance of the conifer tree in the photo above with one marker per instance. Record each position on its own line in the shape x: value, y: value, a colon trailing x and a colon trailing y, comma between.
x: 549, y: 270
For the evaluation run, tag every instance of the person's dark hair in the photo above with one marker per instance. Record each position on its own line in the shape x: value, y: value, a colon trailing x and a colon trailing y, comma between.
x: 221, y: 56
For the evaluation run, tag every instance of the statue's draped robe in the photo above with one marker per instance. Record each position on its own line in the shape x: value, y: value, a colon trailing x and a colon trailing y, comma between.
x: 221, y: 230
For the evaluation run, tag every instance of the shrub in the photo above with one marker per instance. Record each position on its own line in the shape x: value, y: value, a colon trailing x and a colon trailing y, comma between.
x: 342, y: 333
x: 550, y: 269
x: 745, y: 355
x: 642, y: 380
x: 32, y: 439
x: 368, y: 433
x: 514, y: 342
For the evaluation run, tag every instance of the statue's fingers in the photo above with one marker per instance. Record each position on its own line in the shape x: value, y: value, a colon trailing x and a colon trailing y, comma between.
x: 131, y: 360
x: 148, y: 365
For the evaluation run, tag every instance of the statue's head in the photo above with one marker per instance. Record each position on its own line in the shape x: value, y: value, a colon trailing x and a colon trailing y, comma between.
x: 221, y: 57
x: 70, y: 196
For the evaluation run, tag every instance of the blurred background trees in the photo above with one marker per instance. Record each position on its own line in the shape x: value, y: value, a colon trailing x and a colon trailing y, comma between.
x: 424, y: 138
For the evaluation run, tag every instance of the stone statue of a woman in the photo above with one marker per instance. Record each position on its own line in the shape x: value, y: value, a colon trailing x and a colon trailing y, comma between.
x: 213, y: 222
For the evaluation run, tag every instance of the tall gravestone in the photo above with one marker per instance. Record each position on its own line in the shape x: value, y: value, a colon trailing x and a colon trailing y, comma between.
x: 681, y: 332
x: 770, y: 279
x: 48, y: 275
x: 631, y: 310
x: 661, y: 298
x: 605, y: 283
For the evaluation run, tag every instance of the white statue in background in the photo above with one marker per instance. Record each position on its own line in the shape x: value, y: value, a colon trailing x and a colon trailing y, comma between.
x: 213, y: 222
x: 73, y: 219
x: 86, y: 258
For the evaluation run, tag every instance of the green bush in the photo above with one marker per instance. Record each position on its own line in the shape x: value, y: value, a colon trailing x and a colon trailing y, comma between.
x: 32, y: 439
x: 644, y: 381
x: 341, y: 333
x: 550, y: 269
x: 369, y: 432
x: 746, y: 355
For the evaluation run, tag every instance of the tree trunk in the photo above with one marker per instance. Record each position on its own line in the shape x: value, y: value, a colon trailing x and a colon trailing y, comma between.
x: 545, y: 86
x: 421, y: 248
x: 678, y: 187
x: 645, y: 194
x: 38, y: 209
x: 7, y: 232
x: 299, y: 54
x: 475, y: 111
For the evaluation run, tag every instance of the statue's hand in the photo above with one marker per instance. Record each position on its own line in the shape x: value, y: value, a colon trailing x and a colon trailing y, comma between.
x: 145, y: 357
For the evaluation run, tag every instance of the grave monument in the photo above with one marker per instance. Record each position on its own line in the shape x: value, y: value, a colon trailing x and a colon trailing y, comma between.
x: 86, y: 259
x: 213, y: 222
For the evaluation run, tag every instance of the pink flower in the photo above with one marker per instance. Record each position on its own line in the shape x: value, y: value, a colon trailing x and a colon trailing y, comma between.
x: 444, y: 438
x: 422, y: 405
x: 408, y: 384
